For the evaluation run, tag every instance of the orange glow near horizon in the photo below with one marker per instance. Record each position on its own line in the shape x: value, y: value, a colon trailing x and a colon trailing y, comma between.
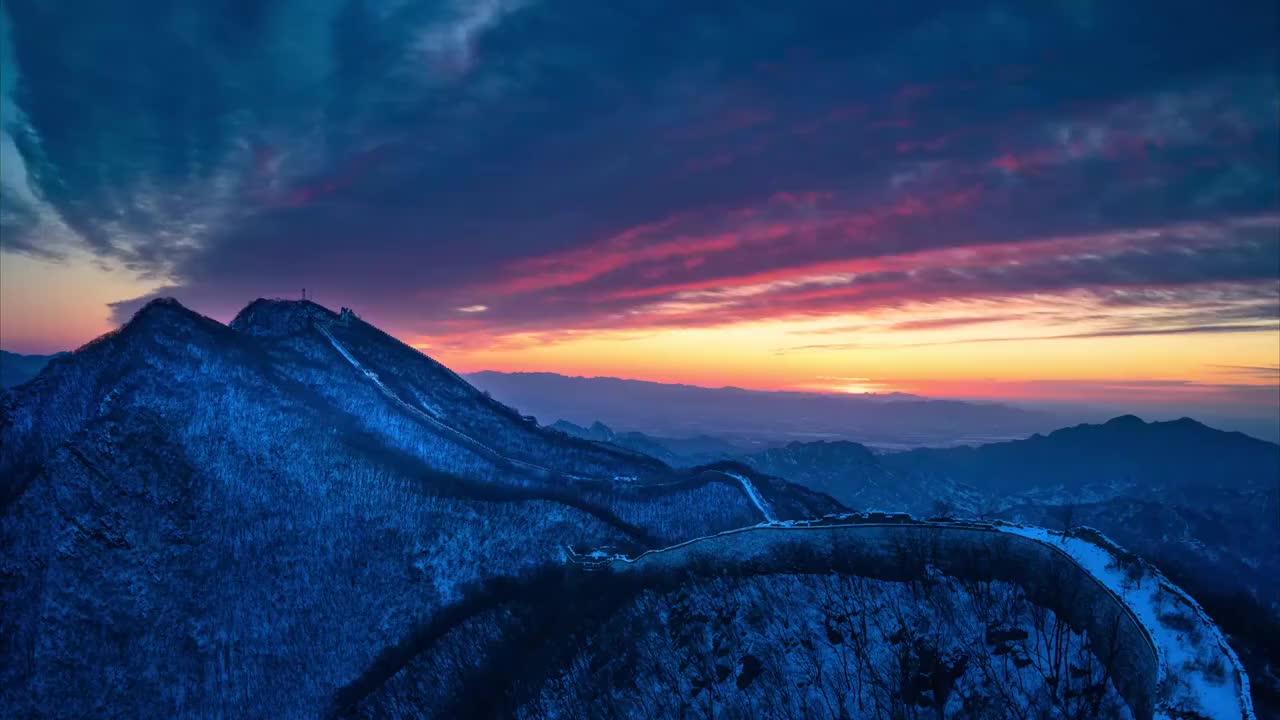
x: 954, y: 362
x: 993, y: 320
x: 52, y: 306
x: 975, y: 348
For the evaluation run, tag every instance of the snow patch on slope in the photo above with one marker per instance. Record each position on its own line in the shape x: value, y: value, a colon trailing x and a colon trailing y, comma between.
x: 756, y: 498
x: 1187, y: 641
x: 428, y: 417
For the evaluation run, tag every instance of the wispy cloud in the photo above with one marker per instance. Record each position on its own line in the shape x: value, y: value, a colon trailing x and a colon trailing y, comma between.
x: 584, y: 167
x: 1259, y: 372
x: 1127, y: 332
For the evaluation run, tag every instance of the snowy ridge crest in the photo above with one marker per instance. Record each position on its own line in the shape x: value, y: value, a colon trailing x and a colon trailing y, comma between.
x: 1197, y: 672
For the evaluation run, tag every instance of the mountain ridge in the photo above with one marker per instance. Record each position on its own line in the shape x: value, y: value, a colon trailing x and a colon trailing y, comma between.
x: 227, y: 502
x: 674, y: 410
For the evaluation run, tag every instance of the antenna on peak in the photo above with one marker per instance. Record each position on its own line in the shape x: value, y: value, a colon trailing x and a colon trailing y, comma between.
x: 304, y: 293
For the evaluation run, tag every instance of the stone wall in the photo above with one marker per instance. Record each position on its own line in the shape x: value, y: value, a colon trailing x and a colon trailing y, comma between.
x: 1048, y: 575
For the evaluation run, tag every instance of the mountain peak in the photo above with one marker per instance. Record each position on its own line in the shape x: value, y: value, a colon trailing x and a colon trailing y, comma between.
x: 156, y: 313
x: 844, y: 450
x: 1133, y: 422
x: 162, y: 302
x: 159, y: 306
x: 273, y: 317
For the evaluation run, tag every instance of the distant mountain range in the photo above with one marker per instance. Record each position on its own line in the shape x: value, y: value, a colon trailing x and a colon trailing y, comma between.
x: 894, y: 420
x: 16, y: 369
x: 677, y: 452
x: 1202, y: 503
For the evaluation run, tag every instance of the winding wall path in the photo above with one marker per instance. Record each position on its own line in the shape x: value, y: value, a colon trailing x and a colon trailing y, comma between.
x: 1044, y: 568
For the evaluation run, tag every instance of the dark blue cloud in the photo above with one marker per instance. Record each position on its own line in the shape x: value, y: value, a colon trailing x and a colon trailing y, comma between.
x: 402, y: 156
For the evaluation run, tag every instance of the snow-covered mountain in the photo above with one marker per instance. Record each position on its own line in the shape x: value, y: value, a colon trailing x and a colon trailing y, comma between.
x: 189, y: 508
x: 297, y: 515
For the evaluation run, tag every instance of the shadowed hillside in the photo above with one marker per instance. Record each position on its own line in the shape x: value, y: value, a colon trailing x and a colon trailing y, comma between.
x: 190, y: 507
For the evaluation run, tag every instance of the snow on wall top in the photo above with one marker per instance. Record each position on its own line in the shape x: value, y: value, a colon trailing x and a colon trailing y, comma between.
x: 1198, y: 674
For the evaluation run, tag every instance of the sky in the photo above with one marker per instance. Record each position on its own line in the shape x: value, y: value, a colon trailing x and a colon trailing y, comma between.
x: 1058, y: 201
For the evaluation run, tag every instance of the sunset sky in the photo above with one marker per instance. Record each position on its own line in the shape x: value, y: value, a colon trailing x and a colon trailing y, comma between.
x: 1056, y: 201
